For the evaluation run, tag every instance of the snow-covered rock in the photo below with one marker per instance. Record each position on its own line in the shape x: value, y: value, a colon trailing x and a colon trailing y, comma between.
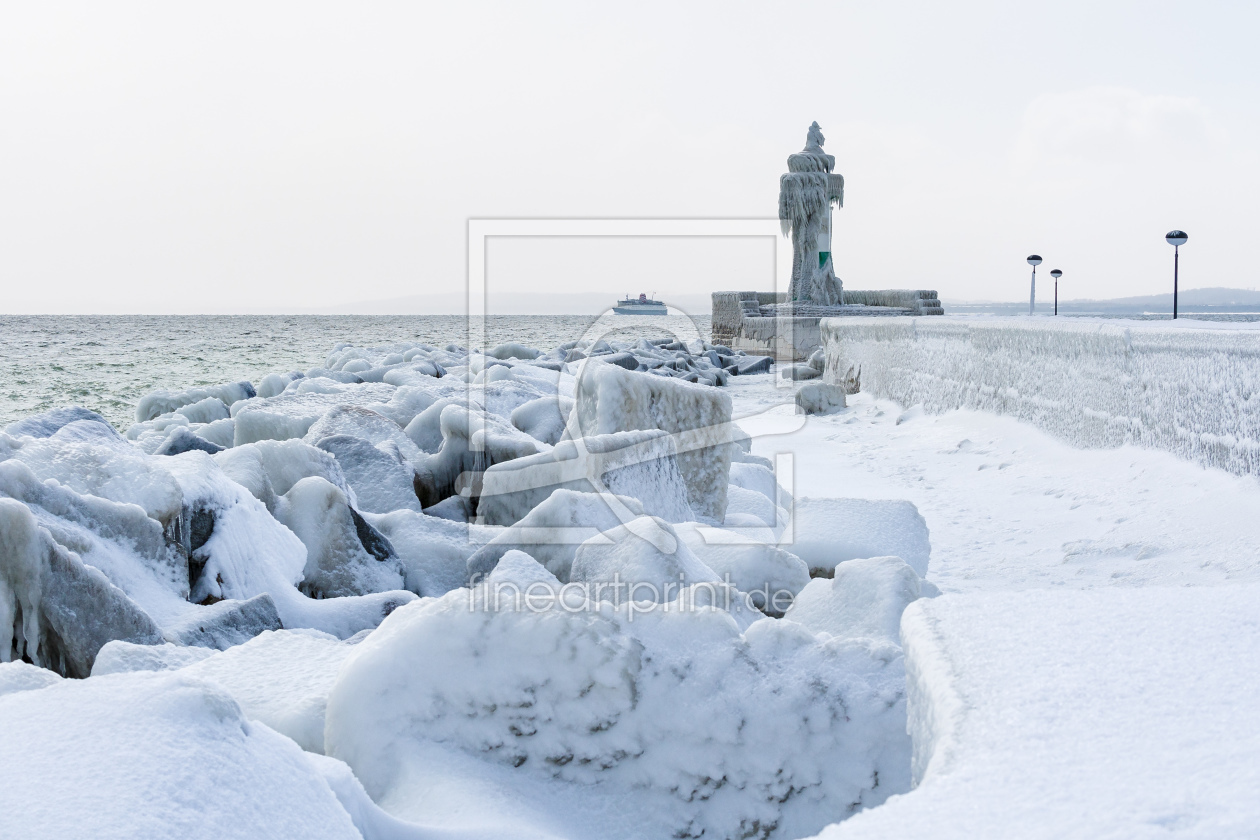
x: 382, y: 478
x: 641, y: 464
x: 544, y: 418
x: 336, y: 560
x: 771, y: 576
x: 552, y: 531
x: 667, y: 723
x: 645, y: 556
x: 53, y: 609
x: 471, y: 442
x: 433, y: 552
x: 827, y: 532
x: 49, y: 423
x: 864, y: 600
x: 162, y: 402
x: 611, y: 399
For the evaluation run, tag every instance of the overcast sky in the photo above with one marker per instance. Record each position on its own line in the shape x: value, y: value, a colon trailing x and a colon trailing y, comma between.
x: 181, y: 157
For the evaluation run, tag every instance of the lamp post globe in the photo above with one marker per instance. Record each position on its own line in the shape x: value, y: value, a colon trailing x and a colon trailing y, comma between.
x: 1034, y: 260
x: 1176, y: 238
x: 1056, y: 274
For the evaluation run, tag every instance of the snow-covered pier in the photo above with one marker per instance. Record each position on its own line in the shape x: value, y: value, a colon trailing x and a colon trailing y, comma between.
x: 1192, y: 388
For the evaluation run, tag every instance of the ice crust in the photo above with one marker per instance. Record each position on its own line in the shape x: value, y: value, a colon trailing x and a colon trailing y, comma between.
x: 612, y: 399
x: 1185, y: 388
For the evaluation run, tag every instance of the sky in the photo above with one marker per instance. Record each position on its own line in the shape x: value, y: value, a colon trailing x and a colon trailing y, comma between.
x: 265, y: 156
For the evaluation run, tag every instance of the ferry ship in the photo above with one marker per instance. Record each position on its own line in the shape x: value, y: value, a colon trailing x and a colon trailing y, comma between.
x: 643, y: 305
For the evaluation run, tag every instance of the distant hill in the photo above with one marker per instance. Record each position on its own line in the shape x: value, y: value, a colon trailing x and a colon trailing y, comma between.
x: 1215, y: 299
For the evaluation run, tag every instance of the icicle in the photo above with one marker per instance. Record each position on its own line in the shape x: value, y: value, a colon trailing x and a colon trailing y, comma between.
x: 22, y: 553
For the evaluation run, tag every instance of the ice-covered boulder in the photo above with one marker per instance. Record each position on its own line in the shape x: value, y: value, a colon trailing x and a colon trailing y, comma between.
x: 471, y: 442
x: 273, y: 384
x: 53, y: 609
x: 337, y: 561
x: 512, y: 350
x: 182, y: 439
x: 162, y: 402
x: 645, y: 556
x: 864, y: 600
x: 269, y: 469
x: 226, y: 623
x: 50, y: 422
x: 120, y: 657
x: 798, y: 372
x: 366, y: 424
x: 292, y: 413
x: 425, y: 429
x: 611, y: 399
x: 105, y: 466
x: 551, y: 718
x: 754, y: 505
x: 552, y: 531
x: 204, y: 411
x: 828, y: 532
x: 771, y: 576
x: 639, y: 464
x: 820, y: 398
x: 383, y: 480
x: 145, y: 755
x: 543, y: 418
x: 433, y: 552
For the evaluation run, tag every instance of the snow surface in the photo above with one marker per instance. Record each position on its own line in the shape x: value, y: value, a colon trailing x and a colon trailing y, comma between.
x: 1112, y: 713
x: 581, y: 717
x: 154, y: 755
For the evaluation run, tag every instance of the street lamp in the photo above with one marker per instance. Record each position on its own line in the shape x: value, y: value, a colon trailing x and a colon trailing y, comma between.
x: 1034, y: 261
x: 1056, y: 274
x: 1176, y: 238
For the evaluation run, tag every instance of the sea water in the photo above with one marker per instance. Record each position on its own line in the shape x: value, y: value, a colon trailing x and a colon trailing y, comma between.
x: 107, y: 362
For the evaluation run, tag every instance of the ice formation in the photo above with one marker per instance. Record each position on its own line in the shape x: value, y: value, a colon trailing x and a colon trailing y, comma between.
x: 610, y: 399
x: 317, y: 562
x: 1186, y: 388
x: 806, y: 193
x: 697, y: 729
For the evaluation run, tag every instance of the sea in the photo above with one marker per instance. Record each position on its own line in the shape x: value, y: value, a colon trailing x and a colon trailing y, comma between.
x: 108, y: 362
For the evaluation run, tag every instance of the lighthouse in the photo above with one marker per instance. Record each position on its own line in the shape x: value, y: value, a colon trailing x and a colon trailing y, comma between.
x: 807, y: 192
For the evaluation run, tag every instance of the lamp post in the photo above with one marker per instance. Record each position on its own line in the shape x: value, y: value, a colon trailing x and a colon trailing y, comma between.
x: 1176, y: 238
x: 1056, y: 274
x: 1034, y: 261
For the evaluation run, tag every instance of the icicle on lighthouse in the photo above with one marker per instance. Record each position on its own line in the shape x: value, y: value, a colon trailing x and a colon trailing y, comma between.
x: 806, y: 193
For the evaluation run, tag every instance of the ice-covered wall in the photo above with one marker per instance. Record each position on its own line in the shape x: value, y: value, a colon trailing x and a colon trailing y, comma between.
x: 1192, y: 388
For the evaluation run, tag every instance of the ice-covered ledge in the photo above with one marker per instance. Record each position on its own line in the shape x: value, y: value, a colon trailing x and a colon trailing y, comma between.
x: 1049, y: 714
x: 766, y: 323
x: 1191, y: 388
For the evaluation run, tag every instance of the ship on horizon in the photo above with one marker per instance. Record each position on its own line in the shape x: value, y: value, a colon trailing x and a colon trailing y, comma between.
x: 642, y: 305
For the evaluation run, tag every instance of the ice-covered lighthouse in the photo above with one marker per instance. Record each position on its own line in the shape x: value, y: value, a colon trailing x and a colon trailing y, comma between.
x: 806, y: 193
